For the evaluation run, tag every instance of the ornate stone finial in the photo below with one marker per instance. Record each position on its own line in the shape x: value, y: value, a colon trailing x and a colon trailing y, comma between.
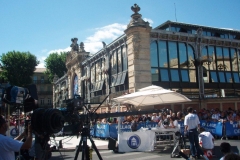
x: 81, y: 47
x: 104, y: 44
x: 74, y: 44
x: 137, y: 18
x: 135, y: 8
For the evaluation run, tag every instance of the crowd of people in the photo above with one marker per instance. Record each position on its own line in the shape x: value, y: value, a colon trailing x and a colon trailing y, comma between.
x: 204, y: 114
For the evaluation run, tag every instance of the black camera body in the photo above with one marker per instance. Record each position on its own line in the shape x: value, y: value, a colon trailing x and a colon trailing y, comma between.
x: 21, y: 97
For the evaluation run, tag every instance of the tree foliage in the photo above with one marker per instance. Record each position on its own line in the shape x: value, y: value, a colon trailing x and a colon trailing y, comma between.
x: 55, y: 64
x: 18, y: 67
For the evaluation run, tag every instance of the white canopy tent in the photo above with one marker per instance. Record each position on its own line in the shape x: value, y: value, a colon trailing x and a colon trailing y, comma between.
x: 151, y: 95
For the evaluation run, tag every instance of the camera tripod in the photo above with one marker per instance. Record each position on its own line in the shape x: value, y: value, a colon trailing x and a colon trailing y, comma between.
x: 84, y: 136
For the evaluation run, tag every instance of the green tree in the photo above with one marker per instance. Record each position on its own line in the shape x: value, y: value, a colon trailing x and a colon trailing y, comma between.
x: 55, y: 64
x: 18, y: 67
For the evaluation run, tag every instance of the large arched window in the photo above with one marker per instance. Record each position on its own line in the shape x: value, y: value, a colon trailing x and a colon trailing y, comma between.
x: 75, y: 85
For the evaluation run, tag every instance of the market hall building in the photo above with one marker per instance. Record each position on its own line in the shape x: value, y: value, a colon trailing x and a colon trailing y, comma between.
x: 197, y: 61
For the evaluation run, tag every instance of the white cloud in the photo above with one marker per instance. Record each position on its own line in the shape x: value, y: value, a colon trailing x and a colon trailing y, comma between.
x: 109, y: 32
x: 93, y: 43
x: 148, y: 20
x: 60, y: 50
x: 41, y: 63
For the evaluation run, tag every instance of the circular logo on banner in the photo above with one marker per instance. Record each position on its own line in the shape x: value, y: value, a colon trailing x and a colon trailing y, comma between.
x: 134, y: 141
x: 14, y: 132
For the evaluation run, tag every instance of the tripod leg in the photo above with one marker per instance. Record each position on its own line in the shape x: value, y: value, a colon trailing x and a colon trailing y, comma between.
x: 57, y: 146
x: 95, y: 148
x: 84, y: 147
x: 78, y: 149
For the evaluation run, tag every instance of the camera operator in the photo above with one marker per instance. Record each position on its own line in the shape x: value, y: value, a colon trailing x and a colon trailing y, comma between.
x: 8, y: 145
x: 40, y: 149
x: 192, y: 124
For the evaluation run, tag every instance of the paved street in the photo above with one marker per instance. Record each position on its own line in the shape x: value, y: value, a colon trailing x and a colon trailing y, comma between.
x: 159, y: 153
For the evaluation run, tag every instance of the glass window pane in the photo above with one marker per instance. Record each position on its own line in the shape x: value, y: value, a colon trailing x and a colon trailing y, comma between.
x: 119, y: 60
x: 164, y: 75
x: 113, y: 80
x: 221, y: 77
x: 183, y: 55
x: 114, y: 63
x: 192, y: 75
x: 119, y: 78
x: 191, y: 57
x: 173, y: 56
x: 236, y: 77
x: 100, y: 85
x: 213, y: 77
x: 125, y: 59
x: 229, y: 77
x: 174, y: 75
x: 163, y: 61
x: 154, y: 57
x: 219, y: 58
x: 123, y: 77
x: 205, y: 57
x: 234, y: 59
x: 155, y: 75
x: 173, y: 29
x: 93, y: 73
x: 184, y: 74
x: 226, y: 58
x: 211, y: 52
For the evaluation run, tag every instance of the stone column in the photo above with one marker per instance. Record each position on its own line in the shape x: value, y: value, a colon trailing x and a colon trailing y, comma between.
x: 138, y: 43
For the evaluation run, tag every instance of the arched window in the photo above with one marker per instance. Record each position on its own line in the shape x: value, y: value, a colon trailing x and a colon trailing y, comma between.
x: 75, y: 85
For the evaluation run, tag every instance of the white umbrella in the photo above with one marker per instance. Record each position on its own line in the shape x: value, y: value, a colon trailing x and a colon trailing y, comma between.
x: 151, y: 95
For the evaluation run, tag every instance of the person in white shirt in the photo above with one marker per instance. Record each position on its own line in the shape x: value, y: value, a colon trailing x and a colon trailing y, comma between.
x: 206, y: 139
x: 215, y: 116
x: 192, y: 124
x: 8, y: 145
x: 161, y: 123
x: 155, y: 118
x: 173, y: 123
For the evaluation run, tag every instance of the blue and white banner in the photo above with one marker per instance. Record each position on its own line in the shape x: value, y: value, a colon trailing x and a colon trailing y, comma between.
x: 136, y: 141
x: 102, y: 130
x: 213, y: 127
x: 232, y: 129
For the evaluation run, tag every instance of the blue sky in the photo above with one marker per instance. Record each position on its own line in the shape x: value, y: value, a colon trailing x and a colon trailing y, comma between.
x: 45, y: 26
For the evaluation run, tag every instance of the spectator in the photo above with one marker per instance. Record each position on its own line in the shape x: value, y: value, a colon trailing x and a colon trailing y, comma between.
x: 222, y: 117
x: 162, y: 123
x: 215, y: 116
x: 225, y: 149
x: 230, y: 117
x: 231, y: 156
x: 140, y: 118
x: 125, y: 121
x: 155, y: 118
x: 206, y: 139
x: 173, y: 123
x: 179, y: 116
x: 8, y: 145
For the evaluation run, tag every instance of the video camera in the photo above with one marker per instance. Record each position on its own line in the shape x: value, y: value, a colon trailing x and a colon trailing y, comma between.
x: 21, y: 97
x: 52, y: 121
